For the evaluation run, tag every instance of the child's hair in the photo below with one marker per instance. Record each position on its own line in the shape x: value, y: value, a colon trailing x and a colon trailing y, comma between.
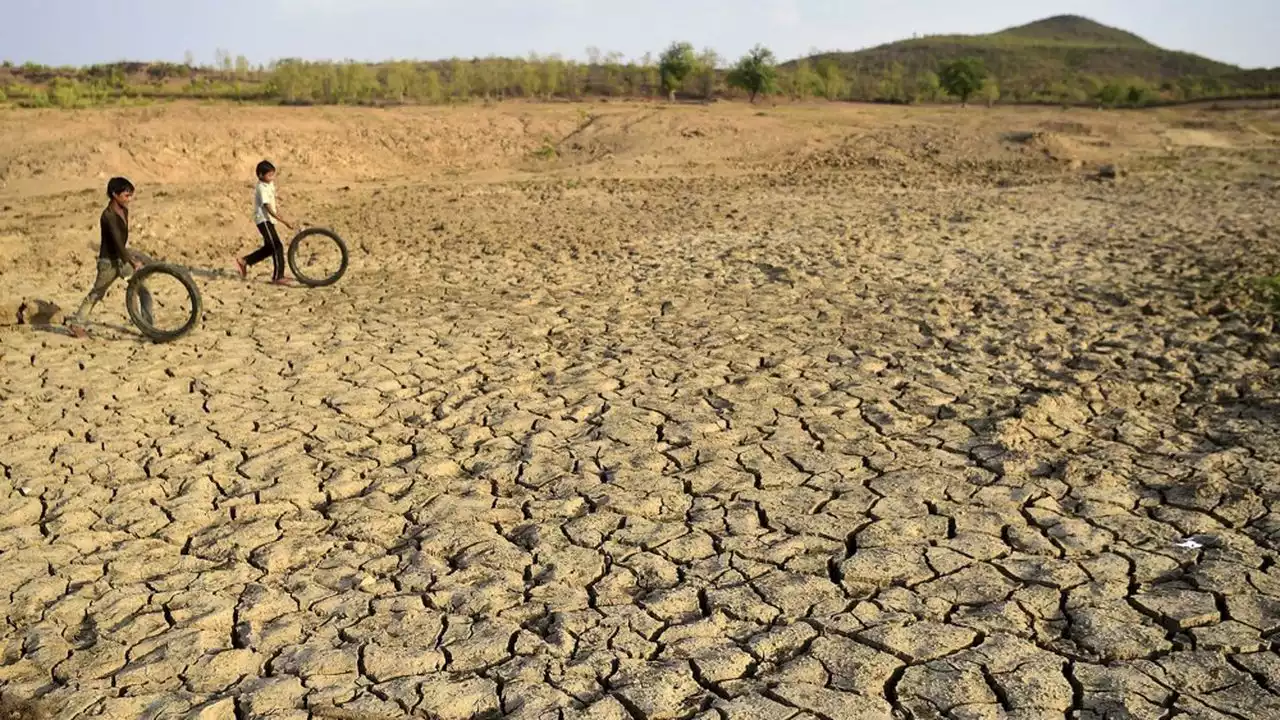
x: 265, y: 167
x: 117, y: 185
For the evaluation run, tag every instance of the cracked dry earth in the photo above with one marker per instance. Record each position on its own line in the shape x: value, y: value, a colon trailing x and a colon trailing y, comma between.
x: 840, y: 443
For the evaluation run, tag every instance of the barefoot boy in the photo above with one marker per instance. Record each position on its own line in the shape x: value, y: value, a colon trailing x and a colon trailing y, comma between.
x: 264, y: 213
x: 114, y: 259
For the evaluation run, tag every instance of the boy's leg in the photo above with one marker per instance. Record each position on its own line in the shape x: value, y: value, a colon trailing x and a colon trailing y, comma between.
x: 277, y: 253
x: 107, y: 274
x: 267, y: 250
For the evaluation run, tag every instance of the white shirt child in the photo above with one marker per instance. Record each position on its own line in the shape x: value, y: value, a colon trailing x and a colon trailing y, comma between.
x: 264, y: 194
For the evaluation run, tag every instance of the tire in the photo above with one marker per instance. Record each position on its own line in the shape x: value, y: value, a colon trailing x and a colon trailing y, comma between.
x: 302, y: 277
x: 134, y: 306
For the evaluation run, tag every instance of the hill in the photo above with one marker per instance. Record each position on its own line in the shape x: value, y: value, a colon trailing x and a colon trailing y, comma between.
x: 1063, y: 58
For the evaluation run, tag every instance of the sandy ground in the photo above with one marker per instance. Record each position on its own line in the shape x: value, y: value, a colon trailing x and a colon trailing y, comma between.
x: 636, y: 412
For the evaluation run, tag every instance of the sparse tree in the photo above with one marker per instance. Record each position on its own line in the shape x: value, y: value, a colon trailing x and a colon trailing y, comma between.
x: 756, y: 73
x: 460, y: 79
x: 613, y: 73
x: 222, y: 59
x: 962, y: 78
x: 1109, y: 95
x: 708, y: 62
x: 242, y: 66
x: 805, y: 81
x: 675, y: 64
x: 397, y: 80
x: 990, y: 92
x: 1139, y: 93
x: 531, y: 77
x: 927, y: 86
x: 831, y: 79
x: 572, y: 79
x: 552, y: 74
x: 893, y: 85
x: 651, y: 79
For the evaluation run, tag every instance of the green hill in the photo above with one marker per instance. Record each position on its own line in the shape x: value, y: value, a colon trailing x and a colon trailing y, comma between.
x: 1063, y: 58
x: 1073, y: 30
x: 1060, y: 59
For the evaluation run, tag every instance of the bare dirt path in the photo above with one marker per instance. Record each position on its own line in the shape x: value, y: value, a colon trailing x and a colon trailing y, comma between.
x: 873, y: 424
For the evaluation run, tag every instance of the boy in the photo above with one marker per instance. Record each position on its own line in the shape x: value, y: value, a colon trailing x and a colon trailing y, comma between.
x: 264, y: 212
x: 114, y: 259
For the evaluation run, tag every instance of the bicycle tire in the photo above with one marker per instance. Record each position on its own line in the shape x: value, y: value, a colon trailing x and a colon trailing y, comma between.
x: 133, y: 306
x: 302, y: 277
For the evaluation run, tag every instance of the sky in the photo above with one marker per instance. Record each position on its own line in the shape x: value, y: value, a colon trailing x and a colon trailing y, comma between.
x: 81, y: 32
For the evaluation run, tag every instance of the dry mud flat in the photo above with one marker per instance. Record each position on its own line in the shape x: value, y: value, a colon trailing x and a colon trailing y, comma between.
x: 824, y: 414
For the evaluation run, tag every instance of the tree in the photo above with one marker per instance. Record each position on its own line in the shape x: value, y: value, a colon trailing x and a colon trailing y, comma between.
x: 1138, y: 94
x: 652, y: 78
x: 893, y: 86
x: 756, y: 73
x: 552, y: 74
x: 832, y: 81
x: 572, y: 78
x: 990, y: 92
x: 397, y: 79
x: 927, y: 86
x: 1110, y: 94
x: 962, y: 78
x: 460, y: 78
x: 429, y: 88
x: 613, y: 73
x: 804, y: 82
x: 531, y: 77
x: 675, y: 64
x: 223, y: 59
x: 708, y: 61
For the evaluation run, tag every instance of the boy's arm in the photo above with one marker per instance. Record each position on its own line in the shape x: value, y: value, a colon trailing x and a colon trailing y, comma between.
x: 271, y: 212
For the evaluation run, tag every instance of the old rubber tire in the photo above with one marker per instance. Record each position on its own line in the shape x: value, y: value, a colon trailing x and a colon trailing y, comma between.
x: 143, y: 323
x: 302, y: 277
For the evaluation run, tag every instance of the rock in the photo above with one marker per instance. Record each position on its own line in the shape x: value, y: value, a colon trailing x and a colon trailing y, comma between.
x: 1110, y: 172
x: 39, y: 312
x: 10, y: 312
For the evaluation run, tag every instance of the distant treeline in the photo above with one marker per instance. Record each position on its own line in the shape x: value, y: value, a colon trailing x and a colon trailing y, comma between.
x: 678, y: 72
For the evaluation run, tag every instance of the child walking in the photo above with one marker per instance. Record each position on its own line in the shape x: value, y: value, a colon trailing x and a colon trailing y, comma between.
x: 265, y: 212
x: 114, y: 259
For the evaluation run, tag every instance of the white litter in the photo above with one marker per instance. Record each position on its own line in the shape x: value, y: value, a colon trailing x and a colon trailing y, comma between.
x: 1190, y: 544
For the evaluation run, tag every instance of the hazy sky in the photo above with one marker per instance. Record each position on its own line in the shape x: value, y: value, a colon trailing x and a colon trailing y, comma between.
x: 76, y: 32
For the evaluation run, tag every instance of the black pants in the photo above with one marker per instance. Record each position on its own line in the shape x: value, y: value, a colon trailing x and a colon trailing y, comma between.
x: 272, y: 247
